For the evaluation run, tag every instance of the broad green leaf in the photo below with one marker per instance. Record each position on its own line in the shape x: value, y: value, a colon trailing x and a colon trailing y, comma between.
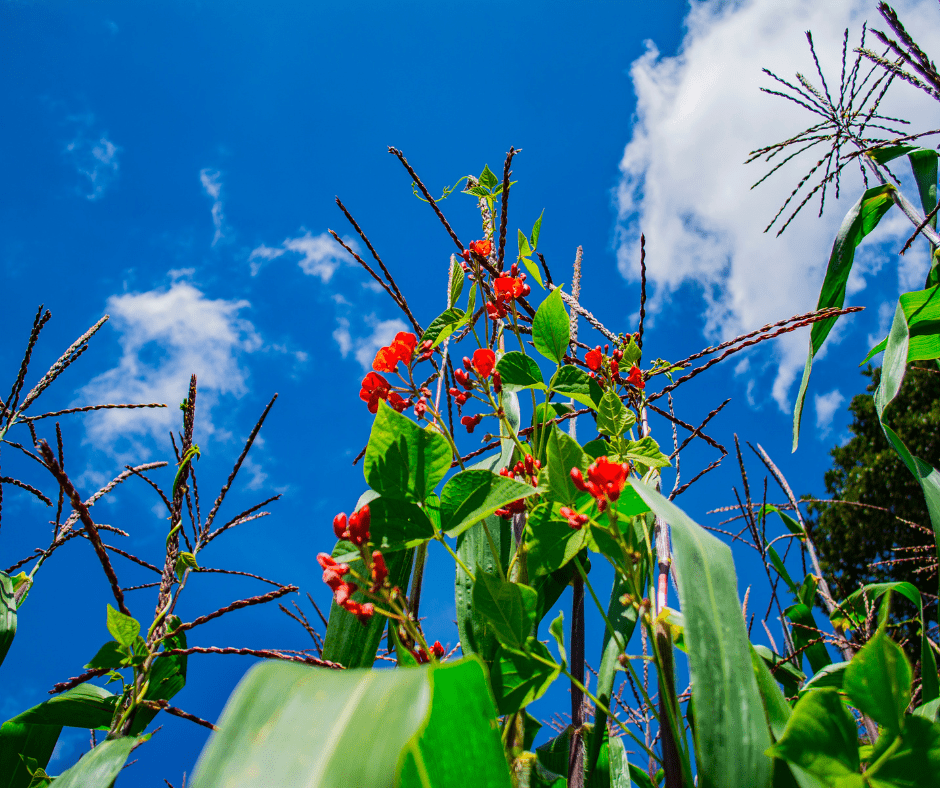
x: 929, y: 711
x: 563, y: 454
x: 793, y: 526
x: 861, y: 219
x: 916, y: 764
x: 575, y: 383
x: 7, y: 614
x: 782, y: 570
x: 613, y: 418
x: 100, y: 767
x: 35, y: 742
x: 889, y: 152
x: 631, y: 353
x: 534, y: 271
x: 551, y: 328
x: 550, y: 542
x: 509, y: 608
x: 396, y: 524
x: 403, y: 718
x: 878, y: 682
x: 456, y: 284
x: 524, y: 249
x: 487, y: 179
x: 727, y: 702
x: 830, y: 676
x: 546, y: 411
x: 351, y: 643
x: 536, y: 229
x: 471, y: 496
x: 110, y: 655
x: 123, y: 629
x: 775, y: 705
x: 519, y: 371
x: 805, y: 630
x: 520, y: 677
x: 473, y: 547
x: 820, y: 737
x: 403, y: 460
x: 597, y: 448
x: 84, y: 706
x: 645, y: 451
x: 183, y: 562
x: 444, y: 324
x: 921, y: 310
x: 789, y: 677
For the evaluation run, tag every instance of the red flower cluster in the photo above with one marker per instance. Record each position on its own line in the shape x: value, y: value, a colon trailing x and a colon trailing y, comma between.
x: 508, y: 288
x: 422, y: 656
x: 343, y: 591
x: 575, y: 520
x: 528, y: 470
x: 594, y: 359
x: 635, y: 378
x: 470, y: 422
x: 482, y: 248
x: 401, y: 349
x: 484, y: 360
x: 357, y: 529
x: 374, y: 387
x: 605, y: 482
x: 379, y: 571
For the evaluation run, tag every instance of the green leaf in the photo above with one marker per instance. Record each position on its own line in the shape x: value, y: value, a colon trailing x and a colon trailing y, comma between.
x: 84, y: 706
x: 728, y: 706
x: 820, y: 737
x: 521, y: 677
x: 878, y: 682
x: 471, y: 496
x: 123, y: 629
x: 7, y: 615
x: 536, y: 229
x: 509, y: 608
x: 546, y: 411
x: 395, y: 524
x: 889, y: 152
x: 110, y: 655
x: 185, y: 561
x: 645, y: 451
x: 631, y: 353
x: 557, y: 631
x: 33, y: 742
x: 403, y: 460
x: 406, y: 718
x: 551, y: 329
x: 100, y: 767
x: 524, y: 249
x: 534, y: 271
x: 775, y: 705
x: 830, y: 676
x: 563, y: 454
x: 782, y: 571
x: 487, y: 179
x: 347, y: 641
x: 861, y: 219
x: 167, y: 677
x: 613, y: 418
x: 921, y: 310
x: 789, y: 677
x: 575, y: 383
x: 456, y: 284
x: 519, y: 371
x: 445, y: 323
x: 917, y: 763
x: 805, y: 631
x: 550, y: 542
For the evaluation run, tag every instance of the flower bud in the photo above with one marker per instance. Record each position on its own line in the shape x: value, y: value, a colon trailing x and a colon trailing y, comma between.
x: 339, y: 525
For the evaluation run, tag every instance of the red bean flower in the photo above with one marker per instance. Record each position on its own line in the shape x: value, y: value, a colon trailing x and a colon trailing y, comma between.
x: 374, y: 387
x: 635, y: 378
x: 482, y: 248
x: 507, y: 288
x: 594, y: 358
x: 397, y: 401
x: 484, y: 360
x: 401, y: 349
x: 358, y: 528
x: 470, y: 422
x: 495, y: 311
x: 605, y: 480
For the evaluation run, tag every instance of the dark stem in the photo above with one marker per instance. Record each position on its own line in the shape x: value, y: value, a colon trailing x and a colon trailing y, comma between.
x: 576, y: 744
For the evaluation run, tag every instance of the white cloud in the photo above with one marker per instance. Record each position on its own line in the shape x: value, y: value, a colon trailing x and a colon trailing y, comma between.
x: 165, y: 336
x: 826, y: 407
x: 320, y: 255
x: 211, y: 181
x: 685, y: 186
x: 95, y: 158
x: 365, y: 347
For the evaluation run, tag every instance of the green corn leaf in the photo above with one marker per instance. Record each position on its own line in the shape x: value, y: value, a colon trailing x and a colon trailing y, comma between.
x: 403, y: 460
x: 522, y: 676
x: 349, y: 642
x: 830, y: 676
x: 551, y: 328
x: 575, y: 383
x: 789, y: 677
x: 861, y: 219
x: 20, y: 742
x: 7, y: 615
x: 550, y: 542
x: 805, y: 631
x: 100, y: 767
x: 921, y: 310
x: 519, y: 371
x: 471, y: 496
x: 445, y: 323
x: 727, y: 702
x: 84, y: 706
x: 775, y: 704
x: 782, y: 571
x: 123, y: 629
x: 820, y: 737
x: 878, y: 682
x: 924, y: 166
x: 405, y: 717
x: 509, y: 608
x: 457, y: 277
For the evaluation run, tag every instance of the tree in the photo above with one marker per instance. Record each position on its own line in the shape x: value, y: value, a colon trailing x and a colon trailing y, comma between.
x: 878, y: 530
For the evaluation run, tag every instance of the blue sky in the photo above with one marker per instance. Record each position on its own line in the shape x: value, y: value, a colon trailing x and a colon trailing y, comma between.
x: 175, y: 167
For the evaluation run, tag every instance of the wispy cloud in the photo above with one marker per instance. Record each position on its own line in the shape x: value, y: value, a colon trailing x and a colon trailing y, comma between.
x: 317, y: 255
x: 826, y: 407
x: 94, y: 156
x: 685, y: 186
x: 165, y: 336
x: 211, y: 181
